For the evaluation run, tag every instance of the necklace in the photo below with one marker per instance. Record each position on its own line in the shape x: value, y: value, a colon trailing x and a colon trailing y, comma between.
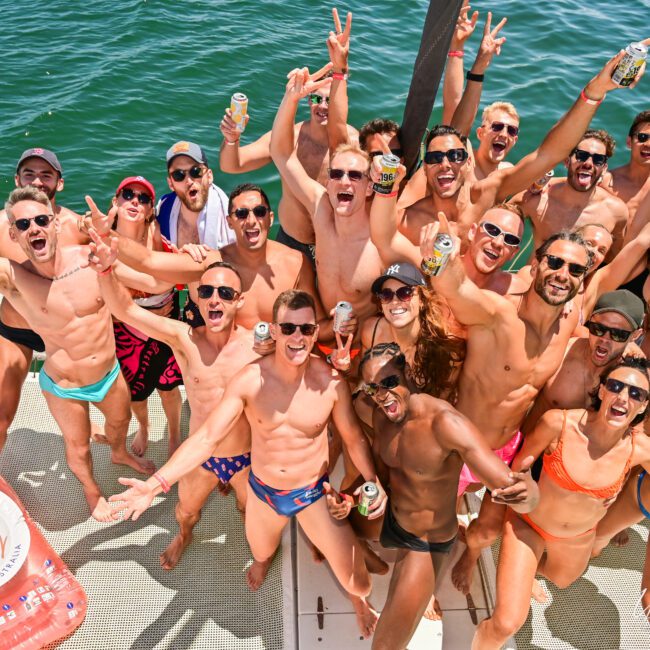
x: 66, y: 274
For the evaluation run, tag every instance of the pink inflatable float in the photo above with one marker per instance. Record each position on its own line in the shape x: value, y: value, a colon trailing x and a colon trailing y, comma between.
x: 40, y: 600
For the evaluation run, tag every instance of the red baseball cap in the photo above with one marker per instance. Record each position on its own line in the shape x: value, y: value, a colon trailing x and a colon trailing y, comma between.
x: 137, y: 179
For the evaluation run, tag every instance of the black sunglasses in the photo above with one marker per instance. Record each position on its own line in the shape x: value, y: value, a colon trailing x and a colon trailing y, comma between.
x: 635, y: 393
x: 453, y: 155
x: 352, y: 174
x: 318, y: 99
x: 556, y: 263
x: 497, y: 127
x: 617, y: 335
x: 195, y: 172
x: 396, y: 152
x: 404, y: 294
x: 228, y: 294
x: 306, y: 329
x: 492, y: 230
x: 42, y: 221
x: 642, y: 137
x: 583, y: 156
x: 259, y: 212
x: 387, y: 383
x: 143, y: 199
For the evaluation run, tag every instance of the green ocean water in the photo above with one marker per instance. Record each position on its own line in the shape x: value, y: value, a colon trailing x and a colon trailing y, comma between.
x: 111, y: 85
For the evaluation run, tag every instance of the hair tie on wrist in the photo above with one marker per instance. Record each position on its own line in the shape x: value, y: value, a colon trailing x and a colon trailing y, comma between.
x: 456, y: 53
x: 163, y: 482
x: 591, y: 102
x: 340, y: 76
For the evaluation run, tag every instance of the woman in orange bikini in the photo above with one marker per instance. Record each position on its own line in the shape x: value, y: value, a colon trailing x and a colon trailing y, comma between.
x: 587, y: 456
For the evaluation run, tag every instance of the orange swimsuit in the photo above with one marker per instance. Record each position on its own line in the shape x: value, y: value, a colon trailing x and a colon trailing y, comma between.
x: 556, y: 470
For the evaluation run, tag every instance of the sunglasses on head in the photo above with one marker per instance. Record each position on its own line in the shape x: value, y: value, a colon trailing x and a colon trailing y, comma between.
x: 404, y: 294
x: 583, y: 156
x: 352, y: 174
x: 195, y: 172
x: 228, y: 294
x: 306, y: 329
x: 492, y: 230
x: 318, y: 99
x: 617, y: 335
x: 555, y: 263
x: 42, y: 221
x: 497, y: 127
x: 453, y: 155
x: 127, y: 194
x: 259, y: 212
x: 387, y: 383
x: 642, y: 137
x: 635, y: 393
x: 396, y: 152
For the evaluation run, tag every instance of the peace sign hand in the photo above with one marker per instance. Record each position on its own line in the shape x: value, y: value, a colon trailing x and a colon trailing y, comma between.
x: 338, y: 42
x: 490, y: 45
x: 301, y: 83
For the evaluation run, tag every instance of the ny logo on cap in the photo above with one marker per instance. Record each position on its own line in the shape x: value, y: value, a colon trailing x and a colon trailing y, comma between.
x: 392, y: 270
x: 181, y: 146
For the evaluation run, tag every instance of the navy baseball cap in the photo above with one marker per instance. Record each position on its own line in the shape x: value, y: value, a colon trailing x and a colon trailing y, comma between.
x: 44, y: 154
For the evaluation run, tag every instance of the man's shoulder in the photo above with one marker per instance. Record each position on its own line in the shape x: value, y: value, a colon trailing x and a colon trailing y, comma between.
x: 609, y: 201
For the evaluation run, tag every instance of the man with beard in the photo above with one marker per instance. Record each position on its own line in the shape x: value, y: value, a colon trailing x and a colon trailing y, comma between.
x: 515, y: 343
x: 41, y: 169
x: 60, y: 299
x: 579, y: 199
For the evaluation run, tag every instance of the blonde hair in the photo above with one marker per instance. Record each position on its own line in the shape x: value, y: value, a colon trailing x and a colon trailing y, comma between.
x: 28, y: 193
x: 506, y: 107
x: 351, y: 148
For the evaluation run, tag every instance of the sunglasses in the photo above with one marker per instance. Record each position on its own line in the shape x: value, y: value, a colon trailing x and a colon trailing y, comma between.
x: 396, y: 152
x: 228, y: 294
x: 259, y: 212
x: 617, y: 335
x: 338, y: 174
x: 128, y: 194
x: 318, y: 99
x: 387, y: 383
x: 306, y: 329
x: 492, y: 230
x: 453, y: 155
x: 195, y: 172
x: 642, y: 137
x: 635, y: 393
x: 583, y: 156
x: 497, y: 127
x: 556, y: 263
x: 404, y: 294
x: 42, y: 221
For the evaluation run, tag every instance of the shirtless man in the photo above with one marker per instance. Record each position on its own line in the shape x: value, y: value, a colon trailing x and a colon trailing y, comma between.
x: 287, y: 398
x: 578, y: 199
x: 422, y: 442
x: 498, y: 134
x: 209, y: 356
x: 465, y: 201
x: 60, y: 300
x: 39, y: 168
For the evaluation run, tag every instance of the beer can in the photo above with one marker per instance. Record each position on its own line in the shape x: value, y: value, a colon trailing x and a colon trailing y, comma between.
x: 389, y: 164
x: 629, y: 66
x: 341, y: 314
x: 262, y: 332
x: 442, y: 250
x: 367, y: 496
x: 239, y: 110
x: 540, y: 184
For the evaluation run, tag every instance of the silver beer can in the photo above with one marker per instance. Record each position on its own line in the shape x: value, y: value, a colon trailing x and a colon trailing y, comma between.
x: 629, y: 66
x: 389, y: 165
x: 342, y: 313
x: 540, y: 184
x: 239, y: 110
x: 262, y: 332
x: 367, y: 496
x: 442, y: 251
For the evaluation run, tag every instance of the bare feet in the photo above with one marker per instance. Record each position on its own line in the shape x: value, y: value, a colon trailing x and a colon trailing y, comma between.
x: 256, y: 574
x: 224, y: 489
x: 538, y: 592
x: 374, y: 563
x: 100, y: 509
x: 172, y: 554
x: 142, y: 465
x: 97, y: 434
x: 433, y: 611
x: 141, y: 441
x: 621, y: 539
x: 316, y: 555
x: 367, y: 617
x: 461, y: 574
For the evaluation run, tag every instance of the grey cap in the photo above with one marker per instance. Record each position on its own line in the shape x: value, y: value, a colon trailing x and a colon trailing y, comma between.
x: 404, y: 272
x: 622, y: 302
x: 190, y: 149
x: 44, y: 154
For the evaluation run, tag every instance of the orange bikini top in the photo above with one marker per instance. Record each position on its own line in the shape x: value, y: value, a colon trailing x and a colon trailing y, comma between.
x: 556, y: 470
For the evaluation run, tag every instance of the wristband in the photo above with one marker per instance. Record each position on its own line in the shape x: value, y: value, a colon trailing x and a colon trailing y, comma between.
x: 591, y: 102
x: 106, y: 271
x: 340, y: 76
x: 456, y: 53
x: 163, y: 482
x: 470, y: 76
x: 233, y: 143
x: 387, y: 196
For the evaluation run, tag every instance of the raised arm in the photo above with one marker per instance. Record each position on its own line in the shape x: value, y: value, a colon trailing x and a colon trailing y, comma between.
x: 465, y: 113
x: 308, y: 191
x: 338, y: 46
x: 235, y: 159
x: 561, y: 139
